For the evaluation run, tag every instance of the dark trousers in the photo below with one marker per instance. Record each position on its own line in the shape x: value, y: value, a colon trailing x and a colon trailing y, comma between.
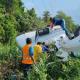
x: 26, y: 68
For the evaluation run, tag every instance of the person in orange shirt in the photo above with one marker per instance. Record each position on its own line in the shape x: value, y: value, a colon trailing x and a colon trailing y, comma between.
x: 27, y: 56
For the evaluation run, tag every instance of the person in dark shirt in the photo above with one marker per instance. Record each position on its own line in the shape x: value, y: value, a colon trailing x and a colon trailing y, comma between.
x: 57, y: 21
x: 45, y: 48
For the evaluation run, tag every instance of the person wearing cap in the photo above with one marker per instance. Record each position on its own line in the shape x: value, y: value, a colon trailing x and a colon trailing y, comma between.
x: 27, y: 56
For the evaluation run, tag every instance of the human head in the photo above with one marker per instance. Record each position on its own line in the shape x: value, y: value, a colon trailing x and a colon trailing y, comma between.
x: 39, y: 43
x: 51, y: 19
x: 43, y: 43
x: 28, y: 41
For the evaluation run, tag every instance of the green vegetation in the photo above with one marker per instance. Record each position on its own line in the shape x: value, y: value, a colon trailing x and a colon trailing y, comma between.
x: 15, y: 20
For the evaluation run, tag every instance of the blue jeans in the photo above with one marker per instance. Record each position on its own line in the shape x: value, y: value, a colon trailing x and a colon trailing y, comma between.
x: 64, y: 26
x: 61, y: 22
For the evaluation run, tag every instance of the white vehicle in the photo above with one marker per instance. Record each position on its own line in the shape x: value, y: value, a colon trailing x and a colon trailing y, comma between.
x: 72, y: 46
x: 64, y: 46
x: 52, y: 36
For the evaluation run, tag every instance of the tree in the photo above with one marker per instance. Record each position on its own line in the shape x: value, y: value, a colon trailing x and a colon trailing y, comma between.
x: 9, y: 6
x: 1, y: 33
x: 9, y: 29
x: 32, y: 12
x: 46, y: 16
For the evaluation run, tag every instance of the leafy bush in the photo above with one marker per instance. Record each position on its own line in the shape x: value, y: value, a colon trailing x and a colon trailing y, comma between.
x: 39, y: 71
x: 69, y: 70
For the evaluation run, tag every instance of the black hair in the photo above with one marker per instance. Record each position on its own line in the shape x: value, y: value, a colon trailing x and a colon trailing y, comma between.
x: 28, y: 40
x: 51, y: 19
x: 43, y: 43
x: 39, y: 43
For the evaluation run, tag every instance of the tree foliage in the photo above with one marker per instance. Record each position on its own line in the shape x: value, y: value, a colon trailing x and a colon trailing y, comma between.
x: 14, y: 19
x: 46, y: 16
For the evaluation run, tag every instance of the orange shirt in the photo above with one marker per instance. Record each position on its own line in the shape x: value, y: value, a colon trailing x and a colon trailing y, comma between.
x: 26, y: 57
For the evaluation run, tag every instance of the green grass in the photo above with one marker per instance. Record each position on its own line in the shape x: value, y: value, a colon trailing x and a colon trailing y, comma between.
x: 46, y: 69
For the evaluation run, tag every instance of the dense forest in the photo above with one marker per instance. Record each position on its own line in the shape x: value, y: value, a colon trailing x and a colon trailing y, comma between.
x: 15, y: 20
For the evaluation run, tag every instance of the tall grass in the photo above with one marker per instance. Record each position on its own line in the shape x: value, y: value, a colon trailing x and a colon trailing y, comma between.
x: 50, y: 68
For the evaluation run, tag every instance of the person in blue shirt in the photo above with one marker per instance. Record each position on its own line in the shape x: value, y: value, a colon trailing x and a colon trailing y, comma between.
x: 59, y: 21
x: 45, y: 48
